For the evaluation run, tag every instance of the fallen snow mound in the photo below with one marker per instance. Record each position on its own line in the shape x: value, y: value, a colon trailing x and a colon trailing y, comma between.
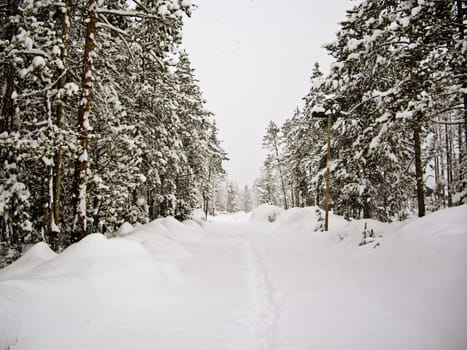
x: 33, y: 257
x: 124, y: 229
x: 164, y: 237
x: 91, y: 279
x: 266, y: 213
x: 198, y: 216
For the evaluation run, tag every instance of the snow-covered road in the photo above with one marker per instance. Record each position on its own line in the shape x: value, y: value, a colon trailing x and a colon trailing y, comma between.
x: 244, y: 283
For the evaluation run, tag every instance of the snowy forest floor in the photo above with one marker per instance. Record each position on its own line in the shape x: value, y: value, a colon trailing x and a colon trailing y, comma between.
x: 241, y: 282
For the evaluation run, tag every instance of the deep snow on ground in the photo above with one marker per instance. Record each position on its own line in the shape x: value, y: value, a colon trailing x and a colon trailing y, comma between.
x: 259, y: 281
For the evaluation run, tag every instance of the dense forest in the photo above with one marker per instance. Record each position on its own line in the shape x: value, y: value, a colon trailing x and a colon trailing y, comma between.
x: 102, y: 120
x: 394, y: 107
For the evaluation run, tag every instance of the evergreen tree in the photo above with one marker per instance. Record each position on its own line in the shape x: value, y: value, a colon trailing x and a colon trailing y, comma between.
x: 397, y: 105
x: 271, y: 141
x: 144, y: 145
x: 267, y: 185
x: 233, y: 200
x: 247, y: 201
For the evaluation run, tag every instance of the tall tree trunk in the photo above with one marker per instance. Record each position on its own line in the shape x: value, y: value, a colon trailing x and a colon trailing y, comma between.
x: 442, y: 168
x: 461, y: 27
x: 279, y: 164
x: 79, y: 223
x: 54, y: 213
x: 448, y: 165
x: 7, y: 121
x: 460, y: 146
x: 292, y: 194
x: 464, y: 86
x: 419, y: 170
x: 8, y: 117
x: 367, y: 212
x: 438, y: 192
x: 213, y: 198
x: 8, y: 107
x: 328, y: 175
x: 207, y: 195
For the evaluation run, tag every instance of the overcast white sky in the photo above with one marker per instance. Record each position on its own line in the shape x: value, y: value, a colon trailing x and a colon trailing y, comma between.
x: 253, y: 59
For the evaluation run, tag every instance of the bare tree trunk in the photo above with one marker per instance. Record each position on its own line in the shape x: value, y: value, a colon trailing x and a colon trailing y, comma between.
x: 328, y: 176
x: 7, y: 122
x: 460, y: 24
x: 442, y: 168
x: 419, y: 171
x: 448, y: 165
x: 438, y: 192
x: 213, y: 199
x: 79, y: 223
x: 465, y: 118
x: 292, y: 195
x: 8, y: 108
x: 460, y: 170
x: 318, y: 197
x: 206, y: 195
x: 56, y: 175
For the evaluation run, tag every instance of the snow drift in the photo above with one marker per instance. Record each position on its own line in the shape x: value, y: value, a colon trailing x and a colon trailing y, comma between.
x: 242, y: 282
x: 266, y: 213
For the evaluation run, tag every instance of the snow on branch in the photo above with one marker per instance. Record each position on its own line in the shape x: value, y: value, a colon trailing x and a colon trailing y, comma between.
x: 124, y: 13
x: 36, y: 52
x: 111, y: 27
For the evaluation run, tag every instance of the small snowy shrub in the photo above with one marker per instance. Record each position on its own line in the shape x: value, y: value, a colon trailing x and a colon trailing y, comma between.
x: 369, y: 236
x: 319, y: 221
x: 272, y: 217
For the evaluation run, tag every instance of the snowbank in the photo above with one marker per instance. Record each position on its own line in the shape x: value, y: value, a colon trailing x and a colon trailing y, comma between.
x: 198, y: 216
x: 124, y: 229
x: 163, y: 237
x: 34, y: 256
x: 54, y: 298
x: 246, y: 284
x: 266, y: 213
x: 405, y: 289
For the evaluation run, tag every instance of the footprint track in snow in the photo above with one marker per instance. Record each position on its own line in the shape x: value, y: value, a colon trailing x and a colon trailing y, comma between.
x: 265, y: 308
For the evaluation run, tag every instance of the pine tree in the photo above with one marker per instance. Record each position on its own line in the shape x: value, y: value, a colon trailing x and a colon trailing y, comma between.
x: 247, y: 201
x: 32, y: 67
x: 271, y: 141
x: 233, y: 200
x: 145, y: 146
x: 267, y: 185
x: 396, y: 101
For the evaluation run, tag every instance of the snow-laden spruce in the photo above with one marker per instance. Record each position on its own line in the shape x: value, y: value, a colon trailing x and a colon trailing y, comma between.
x: 101, y: 120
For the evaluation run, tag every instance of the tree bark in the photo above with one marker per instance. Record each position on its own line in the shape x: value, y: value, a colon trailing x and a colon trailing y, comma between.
x: 460, y: 24
x: 7, y: 122
x: 448, y: 165
x: 54, y: 212
x: 328, y: 175
x: 8, y: 108
x: 419, y: 170
x: 292, y: 194
x: 79, y: 223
